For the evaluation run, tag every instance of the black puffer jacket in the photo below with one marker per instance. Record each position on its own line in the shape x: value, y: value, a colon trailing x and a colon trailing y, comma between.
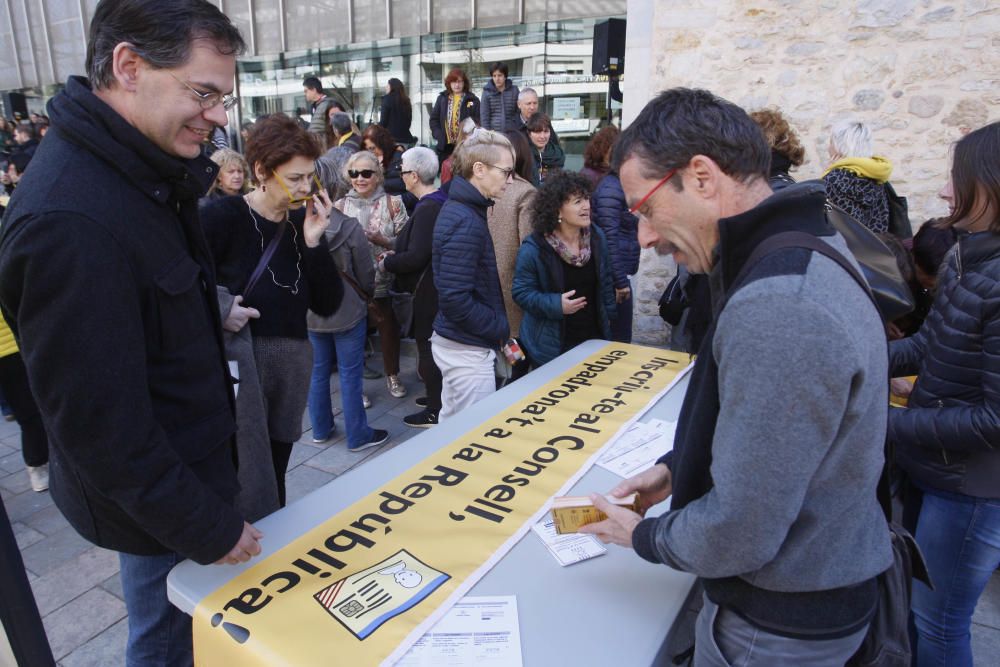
x: 948, y: 438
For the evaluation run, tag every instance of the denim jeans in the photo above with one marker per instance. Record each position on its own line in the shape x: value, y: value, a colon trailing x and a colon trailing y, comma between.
x: 724, y: 639
x: 960, y: 538
x: 159, y: 634
x: 349, y: 347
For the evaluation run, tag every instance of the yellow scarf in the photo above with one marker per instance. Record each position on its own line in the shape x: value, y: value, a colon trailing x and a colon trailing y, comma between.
x: 876, y: 168
x: 455, y: 109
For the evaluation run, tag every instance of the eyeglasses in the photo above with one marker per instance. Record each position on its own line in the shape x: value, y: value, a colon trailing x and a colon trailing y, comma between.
x: 635, y: 209
x: 507, y: 171
x: 209, y: 100
x: 364, y: 173
x: 406, y: 171
x: 316, y: 187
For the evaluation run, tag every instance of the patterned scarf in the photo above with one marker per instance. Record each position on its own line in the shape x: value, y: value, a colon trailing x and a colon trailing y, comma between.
x: 454, y: 111
x: 566, y: 254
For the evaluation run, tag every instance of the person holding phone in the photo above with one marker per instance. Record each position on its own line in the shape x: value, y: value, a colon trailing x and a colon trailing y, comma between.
x: 563, y: 278
x: 272, y: 294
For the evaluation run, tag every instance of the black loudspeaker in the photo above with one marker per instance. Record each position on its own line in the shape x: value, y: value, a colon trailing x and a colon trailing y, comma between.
x: 14, y: 103
x: 609, y: 48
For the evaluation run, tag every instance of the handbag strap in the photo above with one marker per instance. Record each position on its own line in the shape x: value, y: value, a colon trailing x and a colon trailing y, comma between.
x: 357, y: 288
x: 265, y: 258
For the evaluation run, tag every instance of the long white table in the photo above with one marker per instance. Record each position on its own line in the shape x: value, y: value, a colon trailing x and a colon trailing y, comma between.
x: 612, y: 610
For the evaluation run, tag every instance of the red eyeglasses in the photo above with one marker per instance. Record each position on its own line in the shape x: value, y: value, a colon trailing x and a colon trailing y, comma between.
x: 649, y: 194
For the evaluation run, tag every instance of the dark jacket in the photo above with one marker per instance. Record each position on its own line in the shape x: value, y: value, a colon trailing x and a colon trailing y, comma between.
x: 499, y: 109
x: 863, y: 198
x: 109, y: 286
x: 948, y: 436
x: 393, y: 183
x: 538, y: 288
x: 237, y: 246
x: 439, y: 116
x: 411, y: 262
x: 397, y: 118
x: 470, y: 301
x: 551, y: 159
x: 609, y: 210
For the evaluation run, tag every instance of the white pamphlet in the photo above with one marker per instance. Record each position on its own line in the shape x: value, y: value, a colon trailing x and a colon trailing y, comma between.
x: 476, y: 631
x: 637, y: 449
x: 567, y: 549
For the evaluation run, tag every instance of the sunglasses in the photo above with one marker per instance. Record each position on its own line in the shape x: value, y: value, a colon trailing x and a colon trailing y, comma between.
x: 364, y: 173
x: 313, y: 191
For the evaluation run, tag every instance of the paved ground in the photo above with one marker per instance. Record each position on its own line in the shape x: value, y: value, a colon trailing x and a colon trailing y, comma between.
x: 77, y: 587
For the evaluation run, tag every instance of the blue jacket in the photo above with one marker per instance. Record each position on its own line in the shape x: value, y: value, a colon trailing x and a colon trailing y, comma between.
x: 498, y: 110
x: 538, y: 288
x: 608, y: 210
x: 470, y: 302
x: 946, y: 439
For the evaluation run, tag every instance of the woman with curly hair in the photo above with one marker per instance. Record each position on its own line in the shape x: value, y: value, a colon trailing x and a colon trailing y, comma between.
x: 454, y: 104
x: 563, y: 279
x: 597, y: 154
x: 786, y: 149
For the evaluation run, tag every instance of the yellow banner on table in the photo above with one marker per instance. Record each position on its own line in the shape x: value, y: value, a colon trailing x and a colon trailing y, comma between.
x: 364, y: 585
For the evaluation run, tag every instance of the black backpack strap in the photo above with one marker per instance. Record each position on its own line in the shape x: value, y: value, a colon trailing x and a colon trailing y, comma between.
x: 805, y: 240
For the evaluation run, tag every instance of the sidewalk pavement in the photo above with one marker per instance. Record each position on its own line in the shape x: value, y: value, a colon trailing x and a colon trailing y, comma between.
x: 76, y: 584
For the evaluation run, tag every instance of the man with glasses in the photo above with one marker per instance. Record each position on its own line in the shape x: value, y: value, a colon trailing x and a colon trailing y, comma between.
x: 779, y: 443
x: 109, y: 287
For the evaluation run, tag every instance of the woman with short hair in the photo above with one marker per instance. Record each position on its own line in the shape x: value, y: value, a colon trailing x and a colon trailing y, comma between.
x: 453, y: 105
x: 563, y: 278
x: 786, y: 149
x: 855, y: 179
x: 410, y: 262
x: 499, y: 102
x: 946, y: 439
x: 382, y: 216
x: 272, y: 294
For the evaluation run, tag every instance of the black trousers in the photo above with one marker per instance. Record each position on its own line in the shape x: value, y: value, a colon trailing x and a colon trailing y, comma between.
x: 14, y: 382
x: 430, y: 373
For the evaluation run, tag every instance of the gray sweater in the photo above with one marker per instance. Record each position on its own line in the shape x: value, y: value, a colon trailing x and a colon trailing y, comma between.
x: 350, y: 251
x: 798, y: 439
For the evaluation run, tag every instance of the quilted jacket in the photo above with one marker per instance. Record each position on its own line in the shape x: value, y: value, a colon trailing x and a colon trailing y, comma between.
x: 608, y: 210
x: 538, y: 289
x: 948, y: 437
x: 470, y: 302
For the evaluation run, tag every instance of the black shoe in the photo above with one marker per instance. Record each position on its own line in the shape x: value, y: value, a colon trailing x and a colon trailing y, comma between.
x: 423, y: 419
x: 422, y: 401
x: 379, y: 438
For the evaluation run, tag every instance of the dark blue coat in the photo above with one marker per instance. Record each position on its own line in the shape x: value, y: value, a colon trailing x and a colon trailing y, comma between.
x: 949, y: 435
x: 470, y: 302
x: 609, y: 211
x: 538, y: 288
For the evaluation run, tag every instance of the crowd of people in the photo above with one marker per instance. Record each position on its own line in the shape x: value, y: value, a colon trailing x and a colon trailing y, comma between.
x: 239, y: 283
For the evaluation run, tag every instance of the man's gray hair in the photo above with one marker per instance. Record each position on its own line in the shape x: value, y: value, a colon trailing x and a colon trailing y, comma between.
x: 852, y: 138
x: 525, y: 92
x: 341, y: 123
x: 423, y: 162
x: 161, y: 33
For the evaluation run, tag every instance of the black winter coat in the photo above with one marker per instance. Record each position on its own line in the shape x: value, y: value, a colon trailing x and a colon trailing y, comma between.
x: 949, y: 435
x: 397, y: 118
x: 620, y: 227
x: 470, y: 301
x: 439, y: 118
x: 107, y: 282
x: 411, y: 262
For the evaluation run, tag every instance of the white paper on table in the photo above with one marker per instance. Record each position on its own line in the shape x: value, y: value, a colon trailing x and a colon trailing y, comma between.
x: 640, y: 450
x: 567, y: 549
x: 476, y: 631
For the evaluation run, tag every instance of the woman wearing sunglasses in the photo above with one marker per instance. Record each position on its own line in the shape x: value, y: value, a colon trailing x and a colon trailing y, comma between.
x: 272, y: 266
x: 382, y: 216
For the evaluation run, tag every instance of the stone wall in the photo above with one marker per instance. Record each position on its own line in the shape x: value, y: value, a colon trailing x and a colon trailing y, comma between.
x: 920, y: 72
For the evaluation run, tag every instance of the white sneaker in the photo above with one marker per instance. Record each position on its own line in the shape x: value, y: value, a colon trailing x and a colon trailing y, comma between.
x: 39, y: 476
x: 365, y: 401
